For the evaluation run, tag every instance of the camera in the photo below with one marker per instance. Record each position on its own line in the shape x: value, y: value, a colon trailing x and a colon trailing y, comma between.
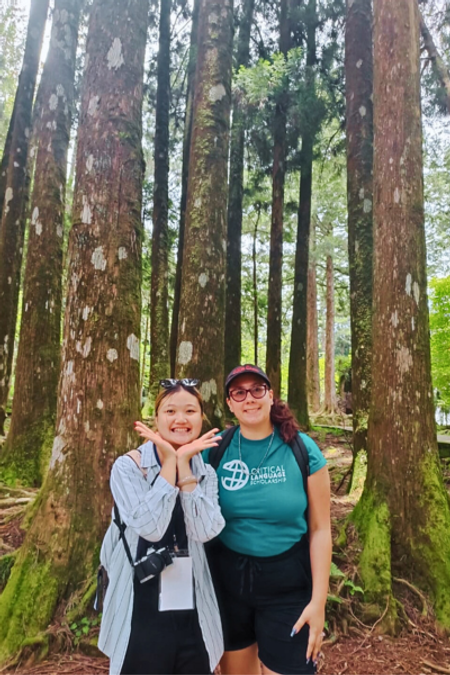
x: 152, y: 564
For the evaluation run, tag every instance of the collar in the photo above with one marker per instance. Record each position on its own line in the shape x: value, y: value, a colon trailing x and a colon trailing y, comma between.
x: 149, y: 461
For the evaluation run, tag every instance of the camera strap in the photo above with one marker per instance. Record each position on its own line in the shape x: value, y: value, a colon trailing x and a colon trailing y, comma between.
x: 121, y: 525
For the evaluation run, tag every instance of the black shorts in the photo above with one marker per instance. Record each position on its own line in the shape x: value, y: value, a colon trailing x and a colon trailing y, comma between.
x: 260, y: 600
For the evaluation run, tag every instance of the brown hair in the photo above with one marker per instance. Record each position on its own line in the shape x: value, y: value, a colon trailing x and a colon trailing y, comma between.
x: 282, y: 417
x: 173, y: 390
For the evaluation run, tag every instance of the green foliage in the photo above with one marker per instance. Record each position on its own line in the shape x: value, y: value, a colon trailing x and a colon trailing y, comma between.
x: 440, y: 339
x: 83, y: 627
x: 12, y: 37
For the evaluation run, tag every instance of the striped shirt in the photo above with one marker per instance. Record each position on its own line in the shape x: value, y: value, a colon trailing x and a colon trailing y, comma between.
x: 146, y: 508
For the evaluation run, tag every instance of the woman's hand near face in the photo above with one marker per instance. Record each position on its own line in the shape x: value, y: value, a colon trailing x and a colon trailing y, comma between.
x: 208, y: 440
x: 165, y: 449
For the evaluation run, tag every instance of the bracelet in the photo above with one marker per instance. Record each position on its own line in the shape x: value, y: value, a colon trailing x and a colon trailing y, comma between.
x: 187, y: 480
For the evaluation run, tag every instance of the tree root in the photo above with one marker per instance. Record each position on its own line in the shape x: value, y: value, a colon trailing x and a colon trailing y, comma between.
x: 434, y: 666
x: 411, y: 587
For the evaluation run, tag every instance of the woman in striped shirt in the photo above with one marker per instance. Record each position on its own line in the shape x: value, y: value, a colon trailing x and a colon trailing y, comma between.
x: 167, y: 498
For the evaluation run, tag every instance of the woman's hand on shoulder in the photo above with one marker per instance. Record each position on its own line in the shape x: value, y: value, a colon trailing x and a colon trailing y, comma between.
x: 208, y: 440
x: 165, y: 449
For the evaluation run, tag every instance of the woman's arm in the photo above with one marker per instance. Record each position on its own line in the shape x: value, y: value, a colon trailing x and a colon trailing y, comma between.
x: 320, y: 552
x: 144, y: 508
x: 202, y: 513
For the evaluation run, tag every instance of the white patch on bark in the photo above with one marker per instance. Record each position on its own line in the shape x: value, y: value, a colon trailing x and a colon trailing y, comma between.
x: 203, y: 279
x: 361, y: 193
x: 115, y: 56
x: 363, y: 111
x: 367, y: 207
x: 26, y: 306
x: 218, y: 412
x: 98, y: 259
x: 404, y: 360
x: 59, y: 231
x: 133, y: 346
x: 217, y: 93
x: 57, y: 451
x: 60, y: 90
x: 86, y: 312
x: 84, y: 349
x: 112, y: 355
x: 359, y: 63
x: 53, y: 102
x: 35, y: 216
x: 99, y: 404
x: 38, y: 227
x: 9, y: 194
x: 394, y: 319
x: 122, y: 253
x: 416, y: 292
x: 93, y: 105
x: 396, y: 195
x: 9, y: 281
x: 90, y: 163
x: 408, y: 284
x: 208, y: 389
x: 185, y: 351
x: 413, y: 324
x: 198, y: 202
x: 86, y: 214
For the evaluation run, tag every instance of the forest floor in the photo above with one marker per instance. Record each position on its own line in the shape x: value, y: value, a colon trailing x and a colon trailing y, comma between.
x: 351, y: 646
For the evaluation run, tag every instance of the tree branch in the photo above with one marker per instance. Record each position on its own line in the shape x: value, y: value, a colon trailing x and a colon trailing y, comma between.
x: 438, y: 64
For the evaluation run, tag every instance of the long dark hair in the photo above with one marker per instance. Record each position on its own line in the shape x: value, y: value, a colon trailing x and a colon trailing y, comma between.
x: 283, y: 418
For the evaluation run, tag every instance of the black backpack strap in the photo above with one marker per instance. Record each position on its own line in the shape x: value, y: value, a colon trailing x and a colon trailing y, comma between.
x: 121, y: 525
x: 217, y: 452
x: 302, y: 457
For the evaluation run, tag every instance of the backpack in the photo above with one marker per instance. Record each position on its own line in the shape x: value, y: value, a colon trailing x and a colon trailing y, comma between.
x: 298, y: 448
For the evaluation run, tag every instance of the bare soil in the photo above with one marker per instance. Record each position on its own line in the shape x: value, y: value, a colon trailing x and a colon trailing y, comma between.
x: 351, y: 646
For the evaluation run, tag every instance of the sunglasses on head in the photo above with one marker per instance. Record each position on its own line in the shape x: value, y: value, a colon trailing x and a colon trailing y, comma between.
x: 170, y: 383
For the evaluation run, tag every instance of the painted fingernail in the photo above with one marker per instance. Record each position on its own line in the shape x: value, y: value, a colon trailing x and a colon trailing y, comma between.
x: 293, y: 632
x: 307, y: 661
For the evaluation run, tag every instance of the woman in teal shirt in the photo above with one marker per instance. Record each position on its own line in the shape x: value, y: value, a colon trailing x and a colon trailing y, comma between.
x: 271, y: 563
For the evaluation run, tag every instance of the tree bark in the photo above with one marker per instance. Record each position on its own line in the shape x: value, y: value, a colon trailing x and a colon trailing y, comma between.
x: 255, y: 288
x: 236, y: 192
x: 439, y: 66
x: 359, y: 132
x: 403, y: 515
x: 312, y: 348
x: 12, y: 224
x: 99, y: 386
x: 330, y: 385
x: 159, y: 320
x: 184, y: 185
x: 274, y: 298
x: 298, y: 390
x: 26, y: 453
x: 200, y: 351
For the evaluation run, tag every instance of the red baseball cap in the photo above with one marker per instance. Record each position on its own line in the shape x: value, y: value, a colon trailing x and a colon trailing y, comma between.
x: 243, y: 370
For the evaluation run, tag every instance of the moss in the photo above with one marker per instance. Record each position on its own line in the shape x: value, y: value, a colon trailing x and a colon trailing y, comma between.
x: 26, y: 457
x: 359, y: 471
x: 6, y: 564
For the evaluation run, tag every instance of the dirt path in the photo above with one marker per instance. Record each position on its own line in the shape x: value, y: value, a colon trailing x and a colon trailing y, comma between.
x: 350, y: 648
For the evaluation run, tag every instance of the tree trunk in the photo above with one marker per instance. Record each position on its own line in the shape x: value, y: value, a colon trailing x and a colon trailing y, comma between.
x: 403, y: 515
x: 184, y: 185
x: 200, y: 351
x: 330, y: 385
x: 12, y: 224
x: 298, y: 390
x: 255, y: 288
x: 99, y: 386
x: 27, y: 450
x: 312, y: 345
x: 359, y: 120
x: 159, y: 320
x: 236, y: 192
x: 438, y: 64
x: 274, y: 298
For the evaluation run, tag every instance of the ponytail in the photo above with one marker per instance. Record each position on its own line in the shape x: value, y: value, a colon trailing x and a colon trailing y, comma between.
x: 282, y: 417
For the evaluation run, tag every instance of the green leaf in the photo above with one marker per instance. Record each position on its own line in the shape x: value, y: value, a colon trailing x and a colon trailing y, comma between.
x: 85, y: 630
x: 335, y: 572
x: 73, y: 626
x: 334, y: 598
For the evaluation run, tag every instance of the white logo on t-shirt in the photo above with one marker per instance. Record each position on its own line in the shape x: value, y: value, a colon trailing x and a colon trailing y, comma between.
x: 239, y: 475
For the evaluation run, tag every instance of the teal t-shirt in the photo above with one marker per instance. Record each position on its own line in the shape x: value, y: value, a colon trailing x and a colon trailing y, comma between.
x: 263, y: 506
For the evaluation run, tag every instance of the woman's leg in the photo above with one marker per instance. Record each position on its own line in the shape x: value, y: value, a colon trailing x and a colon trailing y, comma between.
x: 242, y: 661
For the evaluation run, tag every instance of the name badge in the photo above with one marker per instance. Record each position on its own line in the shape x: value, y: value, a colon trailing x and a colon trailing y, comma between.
x: 176, y: 585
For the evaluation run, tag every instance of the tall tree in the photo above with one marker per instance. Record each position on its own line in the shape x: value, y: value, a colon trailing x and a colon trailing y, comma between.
x: 330, y: 386
x: 312, y: 350
x: 15, y: 185
x: 184, y: 184
x: 359, y: 134
x: 236, y: 192
x: 99, y: 386
x: 159, y: 320
x: 403, y: 515
x: 274, y: 309
x: 200, y: 351
x: 297, y: 391
x: 439, y: 66
x: 26, y: 453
